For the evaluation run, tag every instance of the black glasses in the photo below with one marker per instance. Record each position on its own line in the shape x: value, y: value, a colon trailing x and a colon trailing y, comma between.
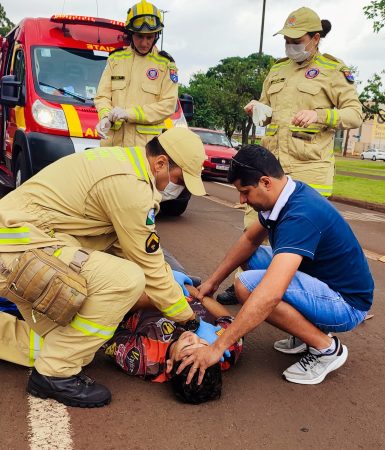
x: 234, y: 164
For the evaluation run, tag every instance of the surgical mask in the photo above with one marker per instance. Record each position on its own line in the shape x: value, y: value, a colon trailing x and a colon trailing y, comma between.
x: 171, y: 191
x: 297, y: 52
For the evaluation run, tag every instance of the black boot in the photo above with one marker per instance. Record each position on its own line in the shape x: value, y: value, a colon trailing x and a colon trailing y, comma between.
x: 228, y: 297
x: 78, y: 390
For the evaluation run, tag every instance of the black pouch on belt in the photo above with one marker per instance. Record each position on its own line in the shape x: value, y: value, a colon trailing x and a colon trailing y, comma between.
x: 53, y: 288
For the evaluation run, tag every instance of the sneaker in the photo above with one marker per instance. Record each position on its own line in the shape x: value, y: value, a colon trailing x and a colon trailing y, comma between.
x: 313, y: 367
x: 292, y: 345
x: 78, y: 390
x: 228, y: 297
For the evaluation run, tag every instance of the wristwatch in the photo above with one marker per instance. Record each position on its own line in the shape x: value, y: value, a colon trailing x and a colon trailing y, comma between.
x: 192, y: 324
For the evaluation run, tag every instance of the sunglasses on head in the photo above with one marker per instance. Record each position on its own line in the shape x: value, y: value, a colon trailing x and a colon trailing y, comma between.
x: 234, y: 164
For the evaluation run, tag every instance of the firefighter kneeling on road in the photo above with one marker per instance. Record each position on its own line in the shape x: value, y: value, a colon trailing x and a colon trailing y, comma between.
x: 138, y: 89
x: 78, y: 247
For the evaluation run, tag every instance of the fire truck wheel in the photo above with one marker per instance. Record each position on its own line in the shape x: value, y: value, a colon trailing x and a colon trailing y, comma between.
x: 21, y: 171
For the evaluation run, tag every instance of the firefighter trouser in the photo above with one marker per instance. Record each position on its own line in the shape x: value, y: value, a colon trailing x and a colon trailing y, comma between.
x: 114, y: 285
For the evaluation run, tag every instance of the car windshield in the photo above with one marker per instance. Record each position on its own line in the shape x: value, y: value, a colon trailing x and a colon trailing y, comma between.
x: 72, y: 75
x: 213, y: 138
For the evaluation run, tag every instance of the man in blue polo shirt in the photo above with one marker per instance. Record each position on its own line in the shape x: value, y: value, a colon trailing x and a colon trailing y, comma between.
x: 314, y: 279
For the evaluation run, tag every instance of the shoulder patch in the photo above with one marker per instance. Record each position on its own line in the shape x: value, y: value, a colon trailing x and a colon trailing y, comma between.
x: 348, y: 74
x: 152, y: 243
x: 166, y: 55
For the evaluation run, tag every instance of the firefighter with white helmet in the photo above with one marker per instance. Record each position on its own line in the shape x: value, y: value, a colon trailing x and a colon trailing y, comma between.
x: 138, y: 89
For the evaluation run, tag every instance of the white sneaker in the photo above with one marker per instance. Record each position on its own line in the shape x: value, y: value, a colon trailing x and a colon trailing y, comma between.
x: 312, y: 368
x: 292, y: 345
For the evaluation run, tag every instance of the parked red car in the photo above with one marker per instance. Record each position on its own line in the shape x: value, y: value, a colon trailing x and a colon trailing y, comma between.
x: 219, y: 151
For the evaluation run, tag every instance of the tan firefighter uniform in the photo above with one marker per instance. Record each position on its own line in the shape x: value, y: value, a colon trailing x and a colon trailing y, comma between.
x: 102, y: 199
x: 323, y: 84
x: 146, y: 86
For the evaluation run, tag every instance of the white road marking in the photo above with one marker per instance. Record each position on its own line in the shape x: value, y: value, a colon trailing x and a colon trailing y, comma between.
x: 363, y: 217
x: 224, y: 184
x: 49, y: 425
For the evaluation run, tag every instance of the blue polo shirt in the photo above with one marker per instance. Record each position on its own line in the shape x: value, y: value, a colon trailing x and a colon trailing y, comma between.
x: 307, y: 224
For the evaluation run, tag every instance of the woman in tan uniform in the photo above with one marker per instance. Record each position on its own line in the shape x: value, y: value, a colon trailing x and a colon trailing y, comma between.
x: 308, y: 96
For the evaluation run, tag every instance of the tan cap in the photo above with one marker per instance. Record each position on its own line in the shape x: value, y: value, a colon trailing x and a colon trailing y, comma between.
x: 185, y: 148
x: 300, y: 22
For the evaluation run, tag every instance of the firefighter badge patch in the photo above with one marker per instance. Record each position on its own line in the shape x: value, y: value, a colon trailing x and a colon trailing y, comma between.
x: 150, y: 217
x: 348, y: 74
x: 174, y: 75
x: 312, y: 73
x: 152, y: 74
x: 152, y: 243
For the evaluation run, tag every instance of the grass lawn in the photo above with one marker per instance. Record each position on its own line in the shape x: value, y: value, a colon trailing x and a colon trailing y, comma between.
x: 361, y: 166
x: 372, y: 191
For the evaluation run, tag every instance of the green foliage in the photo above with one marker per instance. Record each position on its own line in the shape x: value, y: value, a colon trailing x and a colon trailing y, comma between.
x: 376, y: 11
x: 5, y: 24
x: 373, y: 95
x: 221, y: 93
x: 372, y: 191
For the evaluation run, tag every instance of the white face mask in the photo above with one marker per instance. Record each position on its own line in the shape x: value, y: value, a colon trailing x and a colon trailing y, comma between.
x: 297, y: 52
x: 171, y: 191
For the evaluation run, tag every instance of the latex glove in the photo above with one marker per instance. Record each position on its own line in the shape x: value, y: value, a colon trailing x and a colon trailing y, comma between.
x: 117, y: 113
x: 260, y: 113
x: 103, y: 127
x: 182, y: 279
x: 210, y: 333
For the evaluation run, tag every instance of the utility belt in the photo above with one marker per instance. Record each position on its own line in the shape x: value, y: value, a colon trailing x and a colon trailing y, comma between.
x: 54, y: 289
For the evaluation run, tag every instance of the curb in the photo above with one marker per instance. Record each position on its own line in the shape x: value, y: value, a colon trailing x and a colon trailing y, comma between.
x: 359, y: 203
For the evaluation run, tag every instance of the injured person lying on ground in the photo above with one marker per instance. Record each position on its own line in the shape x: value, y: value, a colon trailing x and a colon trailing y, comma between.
x: 148, y: 345
x: 145, y: 344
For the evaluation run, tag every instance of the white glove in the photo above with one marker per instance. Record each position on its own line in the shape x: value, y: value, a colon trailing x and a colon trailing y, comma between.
x: 103, y: 127
x: 117, y: 113
x: 259, y: 111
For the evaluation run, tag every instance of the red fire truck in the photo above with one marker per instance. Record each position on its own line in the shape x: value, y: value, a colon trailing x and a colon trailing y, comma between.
x: 50, y: 71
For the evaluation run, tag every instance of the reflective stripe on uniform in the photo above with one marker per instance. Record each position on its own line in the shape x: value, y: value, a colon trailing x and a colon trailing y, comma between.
x: 158, y: 59
x: 139, y: 114
x: 73, y: 121
x: 104, y: 112
x: 90, y: 328
x: 271, y: 129
x: 176, y: 308
x: 124, y: 54
x: 10, y: 236
x: 149, y: 129
x: 305, y: 130
x: 35, y: 344
x: 280, y: 65
x: 322, y: 61
x: 331, y: 117
x: 324, y: 190
x: 137, y: 162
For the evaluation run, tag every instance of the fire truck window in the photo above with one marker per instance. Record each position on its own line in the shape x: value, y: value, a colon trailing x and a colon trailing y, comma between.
x: 64, y: 71
x: 19, y: 66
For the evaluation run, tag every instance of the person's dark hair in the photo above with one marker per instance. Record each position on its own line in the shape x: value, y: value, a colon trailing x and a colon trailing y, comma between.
x: 209, y: 389
x: 326, y: 27
x: 153, y: 148
x: 251, y: 163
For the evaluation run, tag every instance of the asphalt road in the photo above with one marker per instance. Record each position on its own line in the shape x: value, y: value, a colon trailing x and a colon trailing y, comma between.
x: 258, y: 409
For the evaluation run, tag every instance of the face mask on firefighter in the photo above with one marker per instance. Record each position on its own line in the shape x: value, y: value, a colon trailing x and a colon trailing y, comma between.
x: 171, y: 191
x: 298, y: 52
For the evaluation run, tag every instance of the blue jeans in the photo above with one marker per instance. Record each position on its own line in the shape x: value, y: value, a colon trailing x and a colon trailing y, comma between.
x: 314, y: 299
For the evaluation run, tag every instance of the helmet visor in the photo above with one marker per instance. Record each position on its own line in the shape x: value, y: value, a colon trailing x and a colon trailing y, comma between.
x: 145, y: 23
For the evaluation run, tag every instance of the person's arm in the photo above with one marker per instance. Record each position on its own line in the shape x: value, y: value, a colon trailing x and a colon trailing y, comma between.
x: 347, y: 111
x: 213, y: 307
x: 255, y: 310
x: 127, y: 202
x: 238, y: 254
x: 103, y: 100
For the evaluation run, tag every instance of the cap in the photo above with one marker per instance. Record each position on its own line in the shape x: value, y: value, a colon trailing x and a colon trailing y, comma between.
x: 300, y: 22
x: 185, y: 148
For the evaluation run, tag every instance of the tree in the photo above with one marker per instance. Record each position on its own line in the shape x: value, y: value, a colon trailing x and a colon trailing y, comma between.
x: 221, y: 93
x: 373, y: 94
x: 5, y: 24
